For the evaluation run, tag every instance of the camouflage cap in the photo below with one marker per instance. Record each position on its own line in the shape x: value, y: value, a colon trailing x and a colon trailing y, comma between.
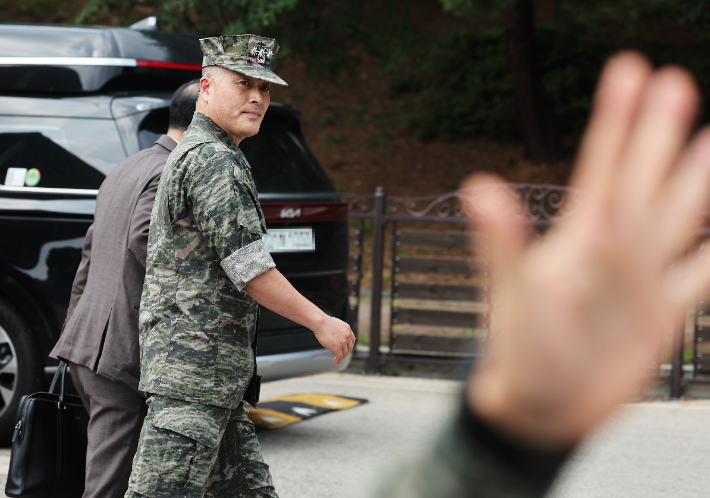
x: 246, y: 54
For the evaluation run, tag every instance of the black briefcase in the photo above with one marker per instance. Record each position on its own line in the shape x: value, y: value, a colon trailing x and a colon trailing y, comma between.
x: 48, y: 457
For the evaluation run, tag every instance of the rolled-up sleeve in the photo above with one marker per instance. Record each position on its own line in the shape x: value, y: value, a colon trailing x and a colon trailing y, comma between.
x: 247, y: 263
x: 226, y: 215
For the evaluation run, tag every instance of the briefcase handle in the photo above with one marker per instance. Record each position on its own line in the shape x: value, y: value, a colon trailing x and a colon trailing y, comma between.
x: 61, y: 370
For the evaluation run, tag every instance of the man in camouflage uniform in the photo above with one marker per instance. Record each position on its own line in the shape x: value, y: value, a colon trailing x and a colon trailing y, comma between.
x: 207, y: 268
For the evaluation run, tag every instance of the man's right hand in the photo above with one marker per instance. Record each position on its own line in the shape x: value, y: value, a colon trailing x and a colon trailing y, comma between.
x: 336, y: 336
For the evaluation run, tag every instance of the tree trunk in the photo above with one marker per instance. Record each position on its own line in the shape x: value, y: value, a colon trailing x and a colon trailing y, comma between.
x: 537, y: 118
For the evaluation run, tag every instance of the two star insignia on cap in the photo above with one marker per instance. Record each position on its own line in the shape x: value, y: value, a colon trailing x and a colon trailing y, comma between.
x: 262, y: 54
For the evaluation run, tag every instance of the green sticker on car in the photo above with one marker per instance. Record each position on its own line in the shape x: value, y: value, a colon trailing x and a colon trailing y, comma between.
x: 33, y: 177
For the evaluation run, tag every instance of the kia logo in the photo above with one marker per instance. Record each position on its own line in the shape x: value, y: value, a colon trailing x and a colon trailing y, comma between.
x: 290, y: 213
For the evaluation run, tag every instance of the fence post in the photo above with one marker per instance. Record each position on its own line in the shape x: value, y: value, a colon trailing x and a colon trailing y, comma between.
x: 378, y: 228
x: 676, y: 380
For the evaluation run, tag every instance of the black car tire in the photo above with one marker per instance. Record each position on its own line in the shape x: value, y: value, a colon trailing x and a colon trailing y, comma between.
x: 21, y: 367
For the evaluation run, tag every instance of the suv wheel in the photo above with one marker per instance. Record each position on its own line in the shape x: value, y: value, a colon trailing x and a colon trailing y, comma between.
x: 20, y: 367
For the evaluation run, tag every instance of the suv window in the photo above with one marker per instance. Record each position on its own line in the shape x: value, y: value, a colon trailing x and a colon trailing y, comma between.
x: 282, y: 163
x: 57, y: 152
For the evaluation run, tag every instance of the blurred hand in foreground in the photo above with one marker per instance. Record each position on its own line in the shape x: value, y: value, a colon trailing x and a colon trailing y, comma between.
x: 585, y: 314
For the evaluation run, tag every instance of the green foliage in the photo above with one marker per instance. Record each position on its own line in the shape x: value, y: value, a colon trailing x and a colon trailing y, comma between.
x: 53, y: 11
x: 331, y: 118
x: 571, y: 66
x: 462, y: 96
x: 336, y: 139
x: 39, y: 11
x: 597, y: 16
x: 589, y: 15
x: 465, y: 88
x: 205, y: 16
x: 458, y: 79
x: 395, y: 36
x: 358, y: 116
x: 378, y: 141
x: 317, y: 32
x: 321, y: 33
x: 475, y: 9
x: 695, y: 13
x: 255, y: 15
x: 367, y: 227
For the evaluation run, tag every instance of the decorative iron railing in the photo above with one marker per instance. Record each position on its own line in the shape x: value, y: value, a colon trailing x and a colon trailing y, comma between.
x: 538, y: 205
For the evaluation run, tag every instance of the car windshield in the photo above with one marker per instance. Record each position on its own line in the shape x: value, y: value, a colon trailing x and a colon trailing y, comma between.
x: 51, y: 152
x: 282, y: 163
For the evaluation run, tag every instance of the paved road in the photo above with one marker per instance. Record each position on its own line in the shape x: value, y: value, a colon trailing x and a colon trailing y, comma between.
x: 652, y: 450
x: 338, y: 454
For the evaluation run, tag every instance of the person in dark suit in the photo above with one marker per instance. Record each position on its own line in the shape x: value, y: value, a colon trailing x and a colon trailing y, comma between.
x: 100, y: 335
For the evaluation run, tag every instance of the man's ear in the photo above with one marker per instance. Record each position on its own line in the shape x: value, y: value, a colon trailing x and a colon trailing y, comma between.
x: 205, y: 84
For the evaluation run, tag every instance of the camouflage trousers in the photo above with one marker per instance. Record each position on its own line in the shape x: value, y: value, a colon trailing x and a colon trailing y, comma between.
x: 191, y: 450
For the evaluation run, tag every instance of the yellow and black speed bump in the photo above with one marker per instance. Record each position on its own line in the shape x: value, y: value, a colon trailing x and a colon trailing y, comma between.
x: 287, y: 410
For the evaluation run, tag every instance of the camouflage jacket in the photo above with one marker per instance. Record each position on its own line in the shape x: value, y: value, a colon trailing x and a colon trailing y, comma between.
x: 205, y: 245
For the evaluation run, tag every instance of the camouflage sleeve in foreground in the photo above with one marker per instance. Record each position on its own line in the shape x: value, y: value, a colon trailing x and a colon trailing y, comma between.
x: 228, y: 215
x: 469, y: 461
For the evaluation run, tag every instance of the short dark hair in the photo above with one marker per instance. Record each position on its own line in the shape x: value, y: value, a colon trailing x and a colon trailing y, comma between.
x: 183, y: 104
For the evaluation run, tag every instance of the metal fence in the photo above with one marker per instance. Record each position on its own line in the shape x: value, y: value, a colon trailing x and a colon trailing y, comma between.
x: 397, y: 222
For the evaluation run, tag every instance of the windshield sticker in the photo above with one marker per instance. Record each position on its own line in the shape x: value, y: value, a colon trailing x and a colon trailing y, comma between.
x: 32, y: 177
x: 15, y: 177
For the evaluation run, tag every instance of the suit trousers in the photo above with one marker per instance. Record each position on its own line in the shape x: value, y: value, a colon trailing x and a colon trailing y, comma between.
x: 116, y: 414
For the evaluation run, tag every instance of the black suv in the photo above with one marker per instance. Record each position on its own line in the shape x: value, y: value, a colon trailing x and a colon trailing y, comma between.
x: 74, y: 102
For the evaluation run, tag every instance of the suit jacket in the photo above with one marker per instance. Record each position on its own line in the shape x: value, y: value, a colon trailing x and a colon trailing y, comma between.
x: 101, y: 328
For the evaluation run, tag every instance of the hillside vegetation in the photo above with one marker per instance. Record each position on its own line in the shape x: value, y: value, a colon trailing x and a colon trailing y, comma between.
x: 413, y: 97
